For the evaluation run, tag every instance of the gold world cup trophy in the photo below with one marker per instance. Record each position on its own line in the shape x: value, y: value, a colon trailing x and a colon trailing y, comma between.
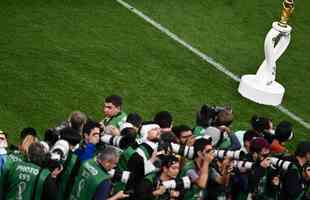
x: 287, y: 10
x: 262, y: 87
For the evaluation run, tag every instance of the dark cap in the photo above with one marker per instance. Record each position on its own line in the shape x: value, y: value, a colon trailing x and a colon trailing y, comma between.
x: 284, y: 131
x: 28, y: 131
x: 303, y: 148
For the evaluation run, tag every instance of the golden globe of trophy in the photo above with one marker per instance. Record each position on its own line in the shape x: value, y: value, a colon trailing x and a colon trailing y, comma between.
x: 262, y: 87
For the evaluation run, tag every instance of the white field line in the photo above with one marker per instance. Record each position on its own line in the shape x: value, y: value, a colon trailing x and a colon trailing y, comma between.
x: 204, y: 56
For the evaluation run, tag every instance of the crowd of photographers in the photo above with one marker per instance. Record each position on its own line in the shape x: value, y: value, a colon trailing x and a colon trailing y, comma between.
x: 126, y: 157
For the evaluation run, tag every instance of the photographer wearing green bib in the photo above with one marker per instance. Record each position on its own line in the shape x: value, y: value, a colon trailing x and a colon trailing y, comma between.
x: 152, y: 187
x: 26, y: 180
x: 93, y: 181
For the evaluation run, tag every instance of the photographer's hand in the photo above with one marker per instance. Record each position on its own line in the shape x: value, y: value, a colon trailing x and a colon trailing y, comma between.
x: 119, y: 195
x: 112, y: 130
x: 174, y: 194
x: 160, y: 190
x: 265, y: 163
x: 57, y: 171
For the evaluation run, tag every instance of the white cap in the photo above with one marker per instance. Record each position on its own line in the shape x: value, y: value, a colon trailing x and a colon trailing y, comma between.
x: 146, y: 128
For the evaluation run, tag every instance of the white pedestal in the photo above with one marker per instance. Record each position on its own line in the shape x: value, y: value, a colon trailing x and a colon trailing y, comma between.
x: 250, y: 87
x: 262, y: 87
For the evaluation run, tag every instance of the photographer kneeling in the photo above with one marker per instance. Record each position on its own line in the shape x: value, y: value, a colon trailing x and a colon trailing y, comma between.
x: 151, y: 187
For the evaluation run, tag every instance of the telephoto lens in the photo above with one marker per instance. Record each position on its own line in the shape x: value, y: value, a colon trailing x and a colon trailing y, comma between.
x: 118, y: 175
x: 235, y: 155
x: 121, y: 142
x: 242, y: 165
x: 179, y: 184
x: 280, y: 164
x: 183, y: 150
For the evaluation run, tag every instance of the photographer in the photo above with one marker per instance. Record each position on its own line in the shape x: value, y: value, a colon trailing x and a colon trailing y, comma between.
x: 91, y: 134
x: 27, y: 137
x: 184, y: 135
x: 29, y: 179
x: 283, y: 133
x: 151, y: 186
x: 198, y: 169
x: 93, y: 181
x: 142, y: 161
x: 114, y: 116
x: 164, y: 120
x: 212, y: 116
x: 71, y: 164
x: 263, y: 180
x: 295, y: 182
x: 76, y: 120
x: 219, y: 178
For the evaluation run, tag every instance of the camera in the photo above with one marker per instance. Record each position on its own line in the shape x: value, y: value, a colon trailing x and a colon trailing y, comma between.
x: 178, y: 184
x: 58, y: 154
x: 236, y: 155
x: 183, y: 150
x: 242, y: 165
x: 121, y: 142
x: 207, y: 115
x: 278, y: 163
x: 118, y: 175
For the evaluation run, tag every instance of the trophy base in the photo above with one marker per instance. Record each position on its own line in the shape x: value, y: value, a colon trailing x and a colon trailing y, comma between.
x: 251, y: 88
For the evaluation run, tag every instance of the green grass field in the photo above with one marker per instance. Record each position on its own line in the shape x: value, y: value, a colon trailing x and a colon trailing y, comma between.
x: 61, y: 55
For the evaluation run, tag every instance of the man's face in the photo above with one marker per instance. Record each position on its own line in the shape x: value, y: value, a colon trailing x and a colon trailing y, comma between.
x: 3, y: 141
x: 93, y: 137
x: 208, y: 149
x: 264, y: 153
x: 173, y: 170
x: 110, y: 110
x: 153, y: 134
x: 110, y: 164
x: 207, y: 153
x: 185, y: 136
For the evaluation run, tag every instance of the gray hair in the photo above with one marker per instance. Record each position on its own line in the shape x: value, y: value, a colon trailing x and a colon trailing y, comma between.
x: 108, y: 153
x: 78, y: 120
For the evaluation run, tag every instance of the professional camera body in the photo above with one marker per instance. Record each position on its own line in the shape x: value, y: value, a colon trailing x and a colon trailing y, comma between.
x: 207, y: 115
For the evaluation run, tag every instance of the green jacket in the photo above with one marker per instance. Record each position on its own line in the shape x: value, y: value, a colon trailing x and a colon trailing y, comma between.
x: 122, y: 165
x: 91, y: 174
x: 23, y: 180
x: 199, y: 131
x: 15, y: 156
x: 63, y: 179
x: 194, y: 192
x: 115, y: 121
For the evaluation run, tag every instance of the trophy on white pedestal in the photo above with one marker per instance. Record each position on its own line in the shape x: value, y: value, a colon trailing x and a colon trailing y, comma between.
x: 262, y: 87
